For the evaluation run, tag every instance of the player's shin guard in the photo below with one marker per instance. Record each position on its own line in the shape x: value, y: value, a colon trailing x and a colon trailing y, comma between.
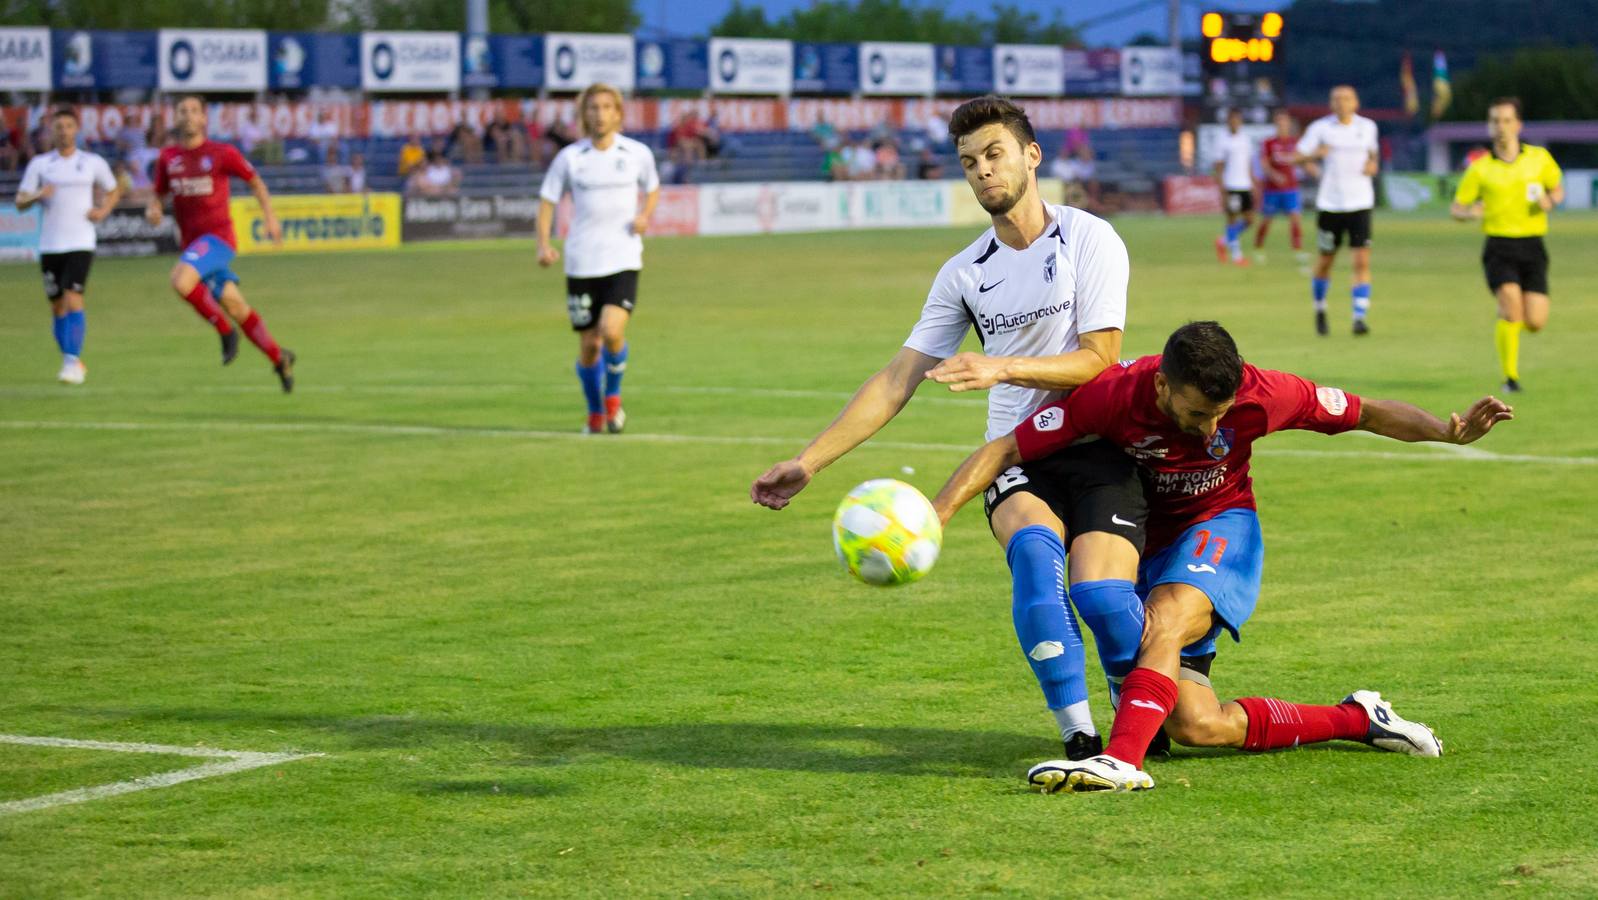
x: 1317, y: 291
x: 1114, y: 614
x: 255, y: 330
x: 1147, y: 699
x: 1045, y: 625
x: 615, y: 368
x: 75, y: 324
x: 1361, y: 297
x: 205, y: 306
x: 1274, y: 724
x: 592, y: 378
x: 1506, y: 337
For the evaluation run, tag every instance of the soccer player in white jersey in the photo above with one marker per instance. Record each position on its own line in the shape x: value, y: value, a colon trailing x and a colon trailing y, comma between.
x: 1234, y: 169
x: 64, y: 181
x: 1045, y: 291
x: 1341, y: 150
x: 604, y: 173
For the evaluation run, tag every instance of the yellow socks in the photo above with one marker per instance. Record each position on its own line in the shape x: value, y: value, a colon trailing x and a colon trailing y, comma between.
x: 1507, y: 338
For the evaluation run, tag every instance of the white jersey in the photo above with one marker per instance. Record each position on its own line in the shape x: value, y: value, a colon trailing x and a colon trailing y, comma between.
x: 66, y: 214
x: 1237, y: 162
x: 1032, y: 302
x: 1344, y: 185
x: 604, y: 185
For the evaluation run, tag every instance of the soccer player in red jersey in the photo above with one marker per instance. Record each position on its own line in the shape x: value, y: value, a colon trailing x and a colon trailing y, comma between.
x: 1190, y: 417
x: 195, y: 173
x: 1281, y: 195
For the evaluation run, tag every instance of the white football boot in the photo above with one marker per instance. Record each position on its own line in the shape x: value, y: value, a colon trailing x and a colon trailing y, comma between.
x: 1100, y: 773
x: 72, y: 371
x: 1389, y: 731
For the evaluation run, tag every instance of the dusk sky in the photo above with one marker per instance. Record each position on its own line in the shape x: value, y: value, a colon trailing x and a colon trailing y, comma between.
x: 696, y: 16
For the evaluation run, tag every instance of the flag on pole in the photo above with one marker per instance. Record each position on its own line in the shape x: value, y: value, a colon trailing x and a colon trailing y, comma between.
x: 1442, y: 91
x: 1406, y: 78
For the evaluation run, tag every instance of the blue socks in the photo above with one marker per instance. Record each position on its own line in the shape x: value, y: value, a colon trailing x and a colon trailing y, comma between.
x: 592, y: 378
x: 1114, y: 614
x: 1317, y: 287
x: 615, y: 368
x: 58, y: 327
x: 1047, y: 629
x: 1362, y: 299
x: 68, y: 331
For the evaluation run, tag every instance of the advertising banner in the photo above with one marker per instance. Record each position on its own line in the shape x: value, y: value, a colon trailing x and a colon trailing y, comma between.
x: 1151, y: 72
x: 92, y: 60
x: 763, y: 208
x: 453, y: 218
x: 1093, y: 73
x: 1028, y: 70
x: 825, y: 68
x: 410, y: 61
x: 297, y: 60
x: 19, y: 233
x: 751, y: 66
x: 898, y: 204
x: 677, y: 65
x: 677, y: 212
x: 24, y: 59
x: 321, y: 222
x: 574, y: 61
x: 126, y: 233
x: 1191, y: 195
x: 964, y: 70
x: 895, y: 68
x: 212, y: 59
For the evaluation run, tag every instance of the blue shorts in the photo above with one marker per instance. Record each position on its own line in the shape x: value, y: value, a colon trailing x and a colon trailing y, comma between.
x: 1279, y: 202
x: 213, y: 259
x: 1224, y: 557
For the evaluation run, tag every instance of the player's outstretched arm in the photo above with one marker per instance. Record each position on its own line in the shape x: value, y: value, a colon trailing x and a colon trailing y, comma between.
x: 268, y: 217
x: 975, y: 474
x: 877, y: 402
x: 1403, y: 422
x: 978, y: 372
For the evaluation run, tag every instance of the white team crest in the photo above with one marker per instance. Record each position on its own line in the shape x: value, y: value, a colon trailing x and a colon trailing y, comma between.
x: 1049, y: 419
x: 1048, y: 269
x: 1333, y: 400
x: 205, y: 164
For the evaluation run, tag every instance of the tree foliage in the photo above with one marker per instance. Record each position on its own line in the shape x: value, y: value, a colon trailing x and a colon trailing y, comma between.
x: 1551, y: 82
x: 895, y: 20
x: 535, y: 16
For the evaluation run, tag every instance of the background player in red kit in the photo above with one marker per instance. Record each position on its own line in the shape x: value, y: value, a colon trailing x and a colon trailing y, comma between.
x: 195, y: 173
x: 1190, y: 417
x: 1281, y: 195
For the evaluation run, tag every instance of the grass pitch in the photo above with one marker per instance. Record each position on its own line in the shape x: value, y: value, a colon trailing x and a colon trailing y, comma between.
x: 548, y: 665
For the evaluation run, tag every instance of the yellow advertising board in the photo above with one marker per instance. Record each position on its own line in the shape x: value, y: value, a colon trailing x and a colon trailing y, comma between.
x: 320, y: 222
x: 965, y: 210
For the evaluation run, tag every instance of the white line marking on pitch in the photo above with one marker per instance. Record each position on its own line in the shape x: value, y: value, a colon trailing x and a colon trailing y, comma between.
x: 1418, y: 455
x: 237, y: 761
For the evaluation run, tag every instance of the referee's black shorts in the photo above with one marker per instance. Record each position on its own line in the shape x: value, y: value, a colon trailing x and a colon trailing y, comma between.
x: 1516, y: 260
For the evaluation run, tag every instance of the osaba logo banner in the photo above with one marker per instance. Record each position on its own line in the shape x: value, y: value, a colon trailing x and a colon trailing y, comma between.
x: 410, y: 60
x: 574, y: 61
x: 212, y: 60
x: 748, y: 66
x: 893, y: 68
x: 25, y: 59
x: 330, y: 222
x: 1029, y: 70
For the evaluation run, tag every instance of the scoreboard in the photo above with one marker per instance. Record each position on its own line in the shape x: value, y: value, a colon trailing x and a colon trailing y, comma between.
x: 1242, y: 59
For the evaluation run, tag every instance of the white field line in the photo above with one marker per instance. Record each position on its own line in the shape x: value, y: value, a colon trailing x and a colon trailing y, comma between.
x: 236, y: 761
x: 1418, y: 455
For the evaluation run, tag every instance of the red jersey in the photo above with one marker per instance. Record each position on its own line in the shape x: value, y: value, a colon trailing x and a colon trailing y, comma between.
x: 1188, y: 478
x: 1276, y: 154
x: 197, y: 179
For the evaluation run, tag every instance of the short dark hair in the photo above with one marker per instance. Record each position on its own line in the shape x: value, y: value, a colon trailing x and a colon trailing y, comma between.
x: 1508, y: 101
x: 67, y: 111
x: 1203, y: 355
x: 973, y: 114
x: 195, y: 97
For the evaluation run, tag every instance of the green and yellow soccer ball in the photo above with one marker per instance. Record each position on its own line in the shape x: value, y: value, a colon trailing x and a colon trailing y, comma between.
x: 886, y: 533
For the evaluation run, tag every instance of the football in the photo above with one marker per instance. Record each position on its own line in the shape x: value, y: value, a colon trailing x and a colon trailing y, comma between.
x: 886, y: 533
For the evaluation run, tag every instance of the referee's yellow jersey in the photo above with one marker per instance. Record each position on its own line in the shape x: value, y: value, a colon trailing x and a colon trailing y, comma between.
x: 1509, y: 191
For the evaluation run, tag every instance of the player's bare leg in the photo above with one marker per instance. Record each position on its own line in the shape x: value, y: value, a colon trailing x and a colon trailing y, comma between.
x: 71, y: 342
x: 1319, y: 280
x: 1362, y: 288
x: 249, y: 321
x: 613, y: 347
x: 186, y: 282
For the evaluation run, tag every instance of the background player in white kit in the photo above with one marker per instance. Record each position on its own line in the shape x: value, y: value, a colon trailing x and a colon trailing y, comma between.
x: 604, y: 172
x: 65, y: 181
x: 1234, y: 169
x: 1342, y: 151
x: 1045, y: 290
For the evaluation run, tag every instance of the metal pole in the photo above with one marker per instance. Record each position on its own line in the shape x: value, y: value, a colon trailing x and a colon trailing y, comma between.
x: 1174, y: 23
x: 476, y: 16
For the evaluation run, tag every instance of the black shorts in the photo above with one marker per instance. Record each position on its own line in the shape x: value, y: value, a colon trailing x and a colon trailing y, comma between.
x: 585, y: 297
x: 1091, y: 487
x: 1516, y: 260
x: 1334, y: 225
x: 65, y: 272
x: 1239, y: 202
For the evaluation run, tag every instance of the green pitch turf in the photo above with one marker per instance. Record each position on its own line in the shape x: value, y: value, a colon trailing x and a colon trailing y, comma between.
x: 540, y: 664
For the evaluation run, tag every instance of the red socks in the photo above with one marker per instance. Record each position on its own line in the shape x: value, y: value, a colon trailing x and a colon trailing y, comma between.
x: 255, y: 330
x: 1147, y: 699
x: 1273, y: 724
x: 1298, y: 236
x: 1259, y: 233
x: 200, y: 298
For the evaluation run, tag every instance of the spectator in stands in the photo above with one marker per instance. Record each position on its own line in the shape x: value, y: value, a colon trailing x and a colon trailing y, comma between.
x: 710, y: 133
x: 8, y: 148
x: 537, y: 143
x: 124, y: 177
x: 928, y: 168
x: 464, y: 143
x: 439, y: 178
x: 862, y: 160
x: 833, y: 164
x: 357, y: 174
x: 685, y: 147
x: 335, y: 175
x: 1076, y: 167
x: 560, y: 134
x: 936, y: 129
x: 324, y: 132
x: 411, y: 155
x: 508, y: 142
x: 824, y: 134
x: 249, y: 136
x: 888, y: 164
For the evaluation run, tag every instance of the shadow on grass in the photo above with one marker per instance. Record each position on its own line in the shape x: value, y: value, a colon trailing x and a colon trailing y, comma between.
x: 707, y: 745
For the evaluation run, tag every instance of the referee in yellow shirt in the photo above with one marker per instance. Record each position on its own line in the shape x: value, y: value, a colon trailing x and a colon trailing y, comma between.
x: 1511, y: 190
